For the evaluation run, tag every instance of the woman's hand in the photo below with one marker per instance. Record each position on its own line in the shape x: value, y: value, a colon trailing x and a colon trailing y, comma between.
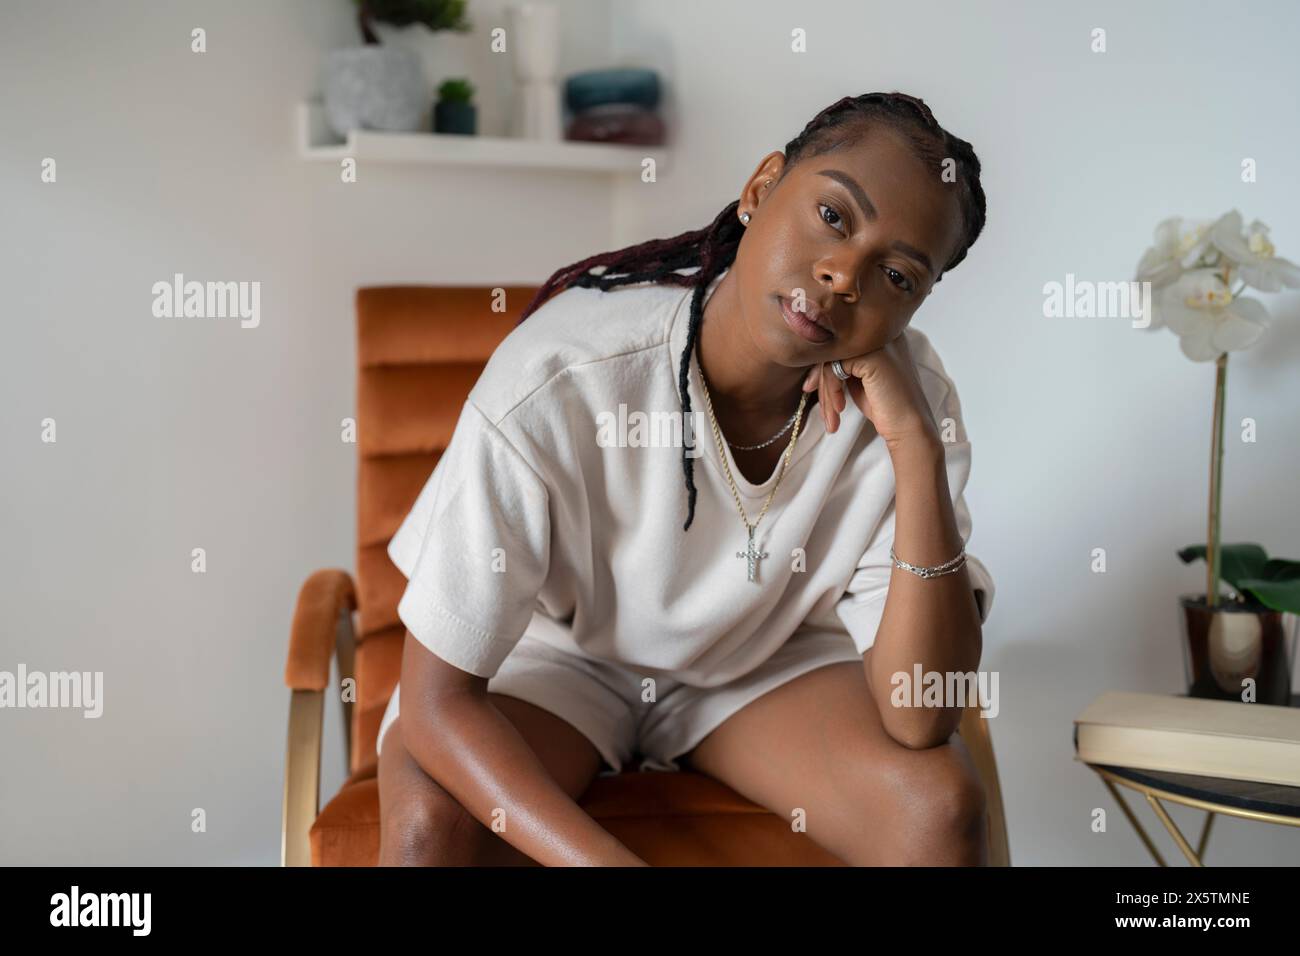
x: 885, y: 386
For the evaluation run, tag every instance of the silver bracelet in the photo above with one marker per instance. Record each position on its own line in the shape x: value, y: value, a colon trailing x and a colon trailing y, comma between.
x: 948, y: 567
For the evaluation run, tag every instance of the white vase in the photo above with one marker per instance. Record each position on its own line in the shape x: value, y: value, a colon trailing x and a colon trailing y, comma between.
x: 534, y: 42
x: 1235, y: 649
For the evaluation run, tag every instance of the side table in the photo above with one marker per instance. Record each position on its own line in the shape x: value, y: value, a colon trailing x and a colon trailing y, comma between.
x: 1266, y: 802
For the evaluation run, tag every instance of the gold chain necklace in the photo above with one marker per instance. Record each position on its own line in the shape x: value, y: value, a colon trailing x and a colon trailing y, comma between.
x: 751, y: 552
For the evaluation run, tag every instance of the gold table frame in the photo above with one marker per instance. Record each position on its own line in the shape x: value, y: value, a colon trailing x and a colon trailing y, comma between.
x: 1153, y: 796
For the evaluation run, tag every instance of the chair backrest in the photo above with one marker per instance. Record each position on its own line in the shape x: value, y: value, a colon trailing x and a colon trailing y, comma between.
x: 420, y: 349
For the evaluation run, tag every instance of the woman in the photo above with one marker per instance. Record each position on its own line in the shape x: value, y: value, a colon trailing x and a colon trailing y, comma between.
x: 562, y: 617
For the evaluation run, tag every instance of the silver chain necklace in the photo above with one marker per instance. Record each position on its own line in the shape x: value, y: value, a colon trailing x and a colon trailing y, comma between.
x: 770, y: 440
x: 732, y: 444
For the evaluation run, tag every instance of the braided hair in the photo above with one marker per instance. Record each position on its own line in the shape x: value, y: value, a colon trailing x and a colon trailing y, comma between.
x: 713, y: 248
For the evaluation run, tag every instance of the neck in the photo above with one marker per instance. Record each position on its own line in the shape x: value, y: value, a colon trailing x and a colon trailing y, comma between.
x: 748, y: 391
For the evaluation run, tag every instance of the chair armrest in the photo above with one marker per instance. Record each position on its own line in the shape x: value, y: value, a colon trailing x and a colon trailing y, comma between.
x: 324, y: 598
x: 322, y: 622
x: 974, y: 731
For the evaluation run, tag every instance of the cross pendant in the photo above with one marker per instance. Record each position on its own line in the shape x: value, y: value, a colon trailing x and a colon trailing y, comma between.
x: 752, y: 553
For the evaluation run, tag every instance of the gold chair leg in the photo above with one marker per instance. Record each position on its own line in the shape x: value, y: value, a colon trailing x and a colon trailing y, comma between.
x: 327, y: 592
x: 345, y: 651
x: 301, y: 777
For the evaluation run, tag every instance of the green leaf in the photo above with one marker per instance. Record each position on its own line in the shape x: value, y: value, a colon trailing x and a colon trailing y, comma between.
x: 1237, y: 562
x: 1281, y: 593
x: 1280, y: 569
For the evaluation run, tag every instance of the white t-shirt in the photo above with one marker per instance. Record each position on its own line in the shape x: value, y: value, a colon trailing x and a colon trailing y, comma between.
x: 533, y: 522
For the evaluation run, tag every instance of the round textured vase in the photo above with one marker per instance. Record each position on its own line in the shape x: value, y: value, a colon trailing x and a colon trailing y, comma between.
x: 1226, y: 645
x: 374, y: 87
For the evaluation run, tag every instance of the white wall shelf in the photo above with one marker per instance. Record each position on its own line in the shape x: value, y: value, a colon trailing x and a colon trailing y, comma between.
x: 316, y: 141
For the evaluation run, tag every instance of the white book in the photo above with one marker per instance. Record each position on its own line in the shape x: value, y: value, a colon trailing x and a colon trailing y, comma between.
x: 1212, y: 738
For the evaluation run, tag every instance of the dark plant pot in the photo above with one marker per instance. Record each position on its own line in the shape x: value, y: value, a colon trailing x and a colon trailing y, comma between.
x: 1225, y: 644
x: 455, y: 118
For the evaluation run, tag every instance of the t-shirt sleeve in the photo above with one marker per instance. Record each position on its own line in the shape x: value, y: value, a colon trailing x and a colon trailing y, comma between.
x: 475, y: 548
x: 863, y: 603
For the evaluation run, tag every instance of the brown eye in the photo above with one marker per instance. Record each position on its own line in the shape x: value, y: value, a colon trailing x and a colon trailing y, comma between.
x: 907, y: 283
x: 831, y: 209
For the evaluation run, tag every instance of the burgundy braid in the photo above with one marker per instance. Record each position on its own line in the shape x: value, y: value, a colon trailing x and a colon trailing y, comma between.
x: 713, y: 248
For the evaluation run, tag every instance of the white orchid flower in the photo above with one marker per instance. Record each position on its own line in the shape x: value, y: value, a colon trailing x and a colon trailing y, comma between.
x: 1180, y: 244
x: 1207, y: 318
x: 1251, y: 254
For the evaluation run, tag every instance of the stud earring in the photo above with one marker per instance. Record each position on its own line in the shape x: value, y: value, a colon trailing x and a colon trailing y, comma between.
x: 744, y: 217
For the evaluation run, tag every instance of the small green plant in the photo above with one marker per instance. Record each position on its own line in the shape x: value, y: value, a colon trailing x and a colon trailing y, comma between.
x: 1272, y: 582
x: 456, y: 90
x: 434, y: 14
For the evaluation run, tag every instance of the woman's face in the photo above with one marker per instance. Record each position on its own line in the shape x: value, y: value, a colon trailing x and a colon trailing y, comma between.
x: 862, y: 230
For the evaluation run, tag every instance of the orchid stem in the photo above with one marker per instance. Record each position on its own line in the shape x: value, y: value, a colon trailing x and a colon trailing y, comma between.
x: 1212, y: 558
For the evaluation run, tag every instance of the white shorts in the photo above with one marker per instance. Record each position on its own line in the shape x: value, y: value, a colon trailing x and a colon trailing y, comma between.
x: 603, y: 700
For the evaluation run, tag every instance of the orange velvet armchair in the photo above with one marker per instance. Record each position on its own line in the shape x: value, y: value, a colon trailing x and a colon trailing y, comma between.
x: 420, y: 350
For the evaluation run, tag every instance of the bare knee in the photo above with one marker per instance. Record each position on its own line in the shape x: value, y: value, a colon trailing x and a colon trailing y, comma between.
x: 942, y: 811
x: 933, y: 812
x: 420, y: 823
x: 427, y: 828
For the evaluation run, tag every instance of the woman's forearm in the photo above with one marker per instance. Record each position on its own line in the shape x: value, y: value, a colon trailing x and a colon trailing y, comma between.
x: 933, y: 622
x: 477, y: 755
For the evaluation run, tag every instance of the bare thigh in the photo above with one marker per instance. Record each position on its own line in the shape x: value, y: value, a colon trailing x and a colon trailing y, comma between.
x: 816, y: 744
x: 421, y: 824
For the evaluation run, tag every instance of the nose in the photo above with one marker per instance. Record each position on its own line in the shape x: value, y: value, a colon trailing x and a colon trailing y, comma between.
x: 842, y: 278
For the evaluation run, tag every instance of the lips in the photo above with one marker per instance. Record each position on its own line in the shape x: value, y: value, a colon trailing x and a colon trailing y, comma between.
x: 812, y: 313
x: 819, y: 318
x: 810, y: 323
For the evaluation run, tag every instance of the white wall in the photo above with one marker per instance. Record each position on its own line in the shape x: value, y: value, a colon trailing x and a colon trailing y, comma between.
x: 1086, y: 432
x: 181, y: 434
